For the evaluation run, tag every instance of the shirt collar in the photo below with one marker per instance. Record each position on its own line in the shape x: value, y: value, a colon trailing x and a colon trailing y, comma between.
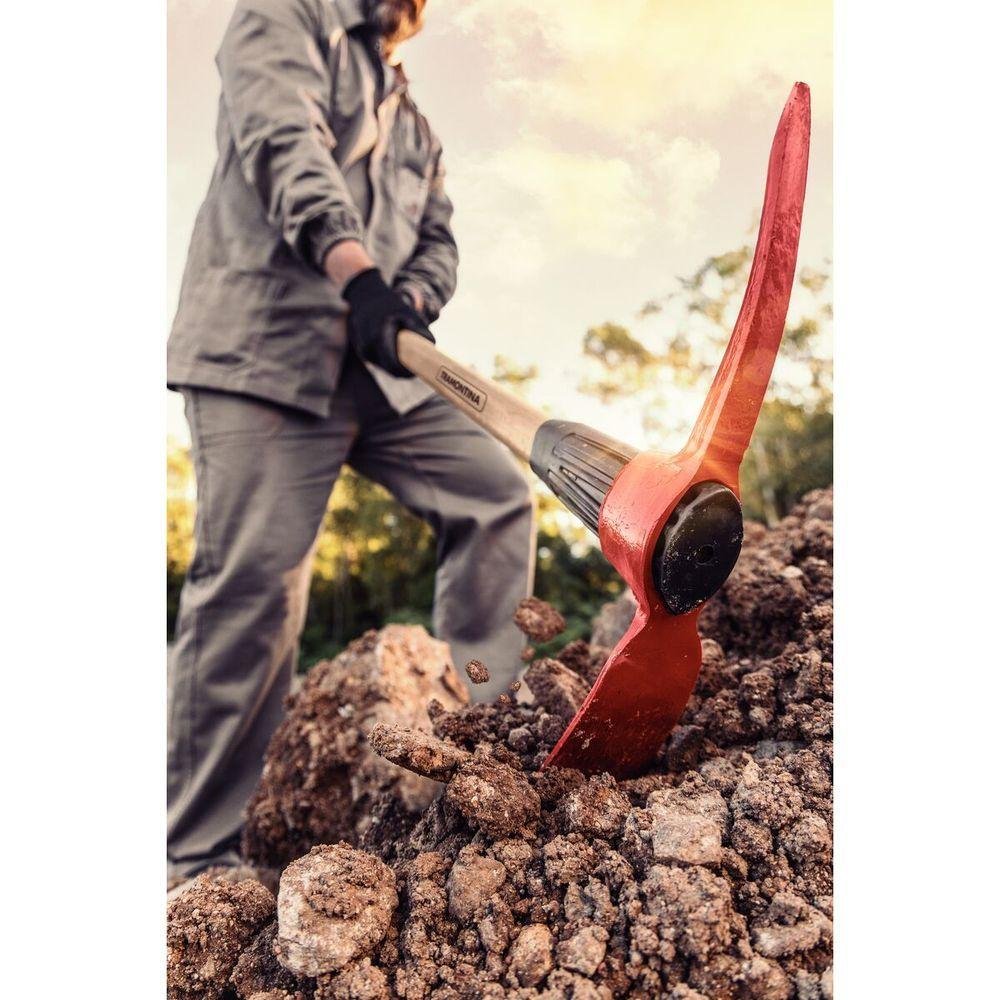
x: 351, y: 13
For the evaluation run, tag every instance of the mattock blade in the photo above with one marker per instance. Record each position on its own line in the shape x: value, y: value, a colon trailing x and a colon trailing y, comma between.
x: 645, y: 684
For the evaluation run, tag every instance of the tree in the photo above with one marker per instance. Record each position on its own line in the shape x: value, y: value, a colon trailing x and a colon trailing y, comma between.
x: 663, y: 372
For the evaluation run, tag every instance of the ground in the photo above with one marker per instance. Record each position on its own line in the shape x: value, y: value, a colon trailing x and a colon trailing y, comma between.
x: 708, y: 877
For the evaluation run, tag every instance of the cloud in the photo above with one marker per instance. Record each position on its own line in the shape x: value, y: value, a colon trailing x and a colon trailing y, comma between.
x: 679, y: 174
x: 622, y: 65
x: 531, y: 201
x: 592, y: 202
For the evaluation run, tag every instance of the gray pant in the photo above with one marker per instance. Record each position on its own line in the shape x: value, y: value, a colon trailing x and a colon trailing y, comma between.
x: 264, y: 476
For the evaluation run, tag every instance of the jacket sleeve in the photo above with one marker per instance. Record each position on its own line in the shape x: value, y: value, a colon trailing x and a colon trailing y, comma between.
x: 276, y: 90
x: 433, y: 265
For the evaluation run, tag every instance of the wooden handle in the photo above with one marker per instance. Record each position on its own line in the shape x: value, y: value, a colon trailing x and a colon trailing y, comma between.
x: 498, y: 410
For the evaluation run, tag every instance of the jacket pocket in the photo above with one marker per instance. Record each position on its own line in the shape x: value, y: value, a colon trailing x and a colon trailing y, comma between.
x: 227, y: 314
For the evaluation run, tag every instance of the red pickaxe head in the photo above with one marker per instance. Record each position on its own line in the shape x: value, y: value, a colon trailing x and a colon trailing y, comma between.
x: 670, y: 524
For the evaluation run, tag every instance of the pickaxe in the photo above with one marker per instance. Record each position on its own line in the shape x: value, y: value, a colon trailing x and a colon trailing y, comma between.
x: 672, y: 525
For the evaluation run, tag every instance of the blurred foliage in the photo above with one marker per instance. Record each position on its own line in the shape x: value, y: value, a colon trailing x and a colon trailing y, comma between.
x: 513, y: 375
x: 180, y: 523
x: 375, y: 561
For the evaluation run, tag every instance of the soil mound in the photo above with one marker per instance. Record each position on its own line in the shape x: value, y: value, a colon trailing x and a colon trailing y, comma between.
x: 708, y: 877
x: 320, y: 777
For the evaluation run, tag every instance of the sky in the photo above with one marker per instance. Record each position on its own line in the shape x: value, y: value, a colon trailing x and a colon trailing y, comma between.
x: 595, y: 151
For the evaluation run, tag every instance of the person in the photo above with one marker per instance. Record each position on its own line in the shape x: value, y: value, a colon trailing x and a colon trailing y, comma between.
x: 325, y: 230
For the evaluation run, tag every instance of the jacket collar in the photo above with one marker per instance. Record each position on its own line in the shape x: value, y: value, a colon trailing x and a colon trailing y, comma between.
x: 351, y: 13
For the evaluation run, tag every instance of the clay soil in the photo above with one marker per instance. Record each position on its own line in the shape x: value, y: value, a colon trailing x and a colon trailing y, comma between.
x: 450, y: 865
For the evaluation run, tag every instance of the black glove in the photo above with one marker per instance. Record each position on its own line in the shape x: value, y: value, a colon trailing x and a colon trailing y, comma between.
x: 377, y: 315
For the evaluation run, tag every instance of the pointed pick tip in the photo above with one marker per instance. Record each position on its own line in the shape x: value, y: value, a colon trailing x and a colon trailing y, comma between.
x: 800, y: 95
x: 797, y: 113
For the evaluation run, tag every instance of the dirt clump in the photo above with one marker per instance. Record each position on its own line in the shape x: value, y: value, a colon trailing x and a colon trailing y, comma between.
x: 278, y: 995
x: 539, y: 621
x: 557, y: 687
x: 320, y: 776
x: 417, y: 751
x: 257, y: 970
x: 208, y: 926
x: 494, y: 797
x: 707, y: 878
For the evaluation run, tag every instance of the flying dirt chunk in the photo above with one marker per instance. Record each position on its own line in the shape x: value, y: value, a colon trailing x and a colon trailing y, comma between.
x: 334, y: 907
x: 418, y: 752
x: 476, y: 671
x: 320, y: 774
x: 539, y: 621
x: 208, y: 926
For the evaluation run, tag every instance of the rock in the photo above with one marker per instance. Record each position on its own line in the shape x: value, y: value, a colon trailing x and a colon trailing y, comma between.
x: 688, y: 838
x: 471, y: 883
x: 790, y: 926
x: 531, y: 956
x: 584, y: 951
x: 416, y: 751
x: 208, y: 925
x: 613, y: 620
x: 539, y: 621
x: 554, y: 685
x: 680, y: 827
x: 569, y: 859
x: 493, y: 797
x: 496, y: 926
x: 320, y: 775
x: 597, y: 808
x: 520, y: 739
x: 767, y: 980
x: 334, y: 907
x: 753, y: 841
x: 767, y: 794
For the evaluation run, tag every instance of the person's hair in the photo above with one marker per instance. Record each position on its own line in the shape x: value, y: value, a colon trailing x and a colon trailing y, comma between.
x: 395, y: 20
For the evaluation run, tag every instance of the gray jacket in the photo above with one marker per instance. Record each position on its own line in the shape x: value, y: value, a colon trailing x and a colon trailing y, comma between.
x: 308, y: 155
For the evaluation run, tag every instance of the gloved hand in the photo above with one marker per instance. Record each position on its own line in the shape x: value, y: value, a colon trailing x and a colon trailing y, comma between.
x: 377, y: 315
